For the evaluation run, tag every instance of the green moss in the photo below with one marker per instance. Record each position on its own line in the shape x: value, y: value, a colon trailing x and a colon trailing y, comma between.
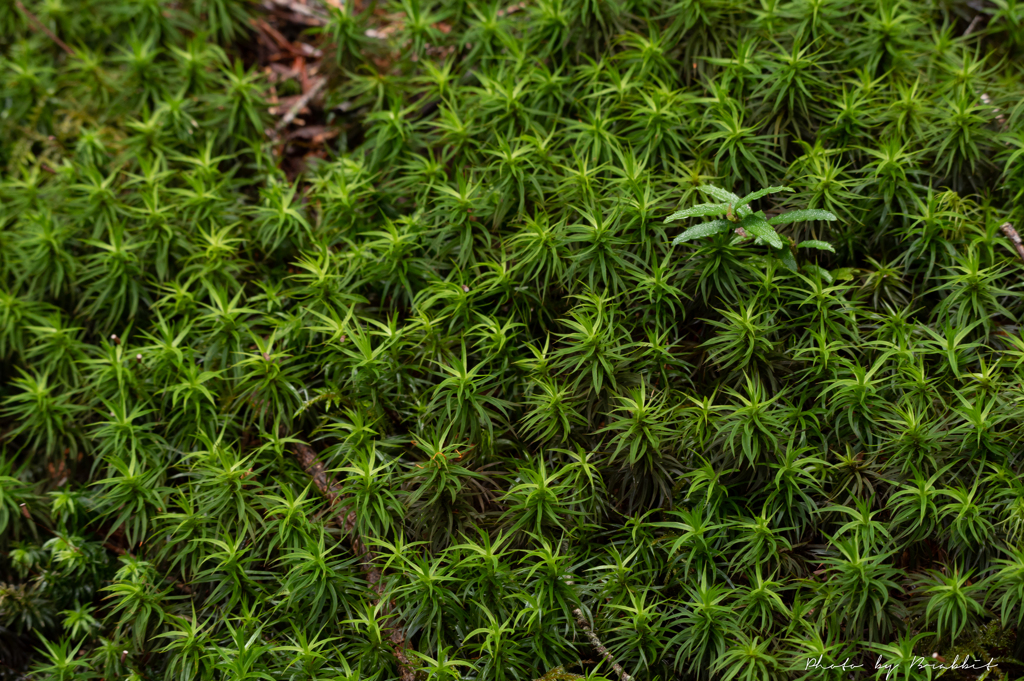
x: 463, y: 343
x: 989, y: 643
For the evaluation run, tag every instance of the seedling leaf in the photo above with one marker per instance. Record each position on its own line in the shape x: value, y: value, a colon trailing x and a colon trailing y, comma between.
x: 786, y: 256
x: 820, y: 245
x: 760, y: 193
x: 802, y: 216
x: 756, y: 226
x: 719, y: 194
x: 703, y: 230
x: 702, y: 210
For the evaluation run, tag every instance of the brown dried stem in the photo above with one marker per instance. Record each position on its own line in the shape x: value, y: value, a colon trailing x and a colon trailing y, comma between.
x: 367, y: 560
x: 302, y: 102
x: 42, y: 27
x: 1014, y: 238
x: 599, y: 647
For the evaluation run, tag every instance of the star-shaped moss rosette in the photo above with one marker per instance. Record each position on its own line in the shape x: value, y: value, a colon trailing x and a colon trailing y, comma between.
x: 739, y: 216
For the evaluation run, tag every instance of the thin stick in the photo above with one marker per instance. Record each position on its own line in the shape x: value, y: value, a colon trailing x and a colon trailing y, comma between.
x: 511, y: 9
x: 32, y: 17
x: 973, y: 25
x: 299, y: 9
x: 599, y: 647
x: 1014, y: 238
x: 329, y: 488
x: 297, y: 107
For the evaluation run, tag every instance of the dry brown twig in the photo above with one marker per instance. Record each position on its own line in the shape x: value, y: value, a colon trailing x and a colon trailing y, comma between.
x: 303, y: 101
x: 599, y: 647
x: 367, y: 560
x: 975, y: 22
x: 42, y: 27
x: 278, y: 39
x: 1011, y: 234
x: 511, y: 9
x: 308, y: 15
x: 272, y: 36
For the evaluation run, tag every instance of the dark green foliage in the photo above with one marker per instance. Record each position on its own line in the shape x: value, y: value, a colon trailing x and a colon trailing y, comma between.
x: 733, y: 451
